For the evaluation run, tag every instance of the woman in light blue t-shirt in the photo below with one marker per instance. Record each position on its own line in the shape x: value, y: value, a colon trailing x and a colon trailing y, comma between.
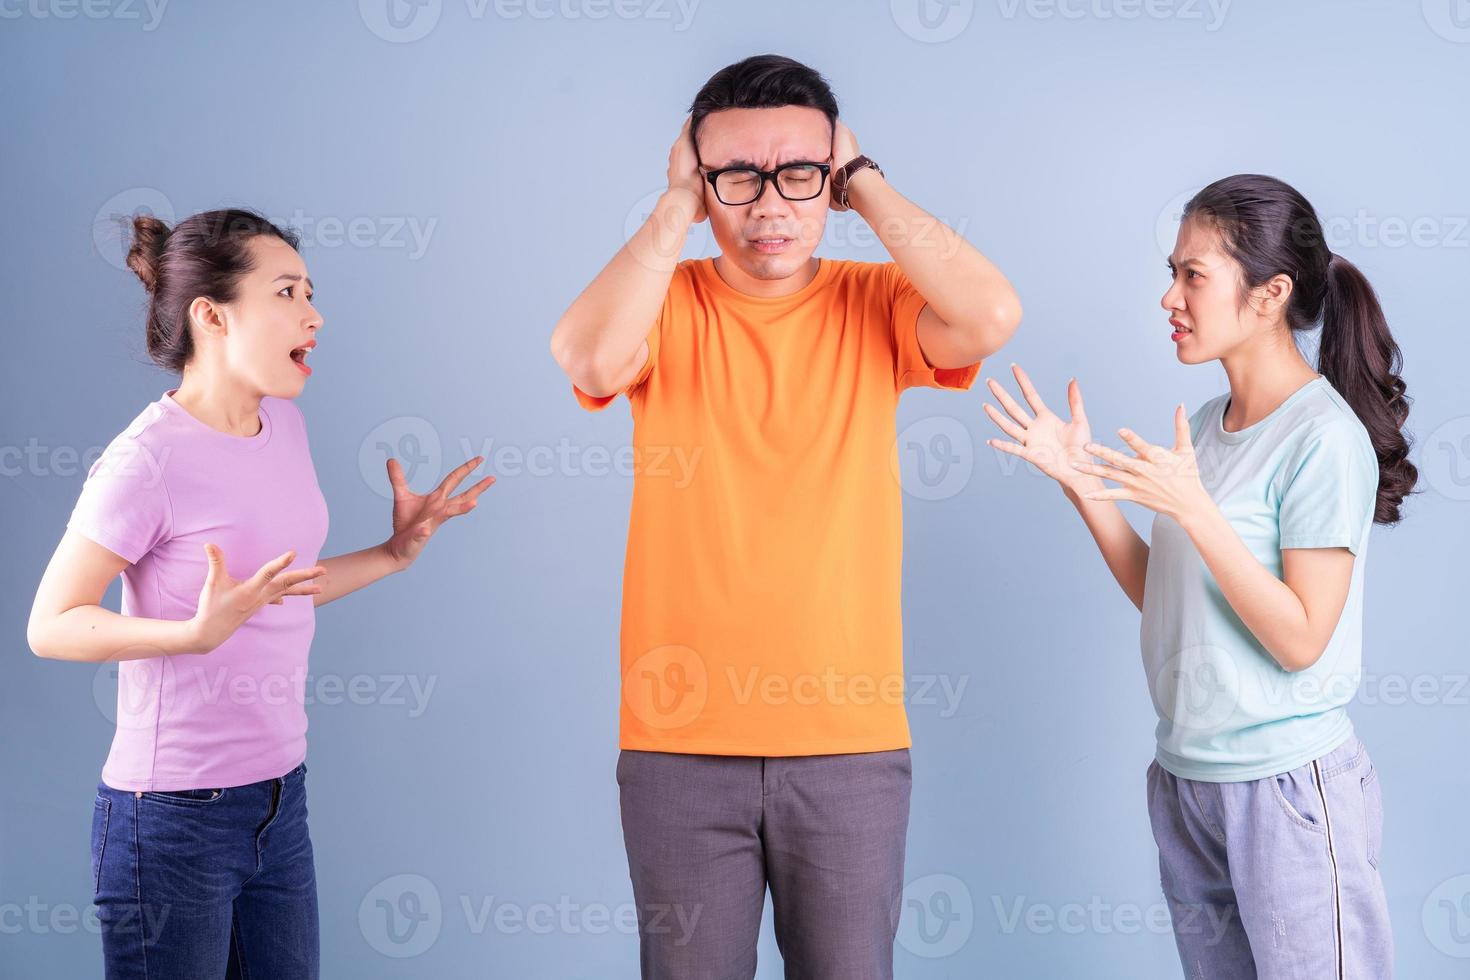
x: 1264, y: 803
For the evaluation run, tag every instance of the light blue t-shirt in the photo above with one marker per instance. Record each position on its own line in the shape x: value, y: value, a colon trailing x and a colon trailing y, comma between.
x: 1305, y: 476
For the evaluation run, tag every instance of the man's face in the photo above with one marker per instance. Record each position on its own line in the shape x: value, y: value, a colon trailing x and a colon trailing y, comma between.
x: 771, y: 237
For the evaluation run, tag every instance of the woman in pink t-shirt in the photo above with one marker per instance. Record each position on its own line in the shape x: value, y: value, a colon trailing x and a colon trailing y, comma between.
x: 208, y: 506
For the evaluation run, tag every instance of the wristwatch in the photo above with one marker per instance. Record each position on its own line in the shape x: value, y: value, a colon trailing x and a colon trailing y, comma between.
x: 844, y: 174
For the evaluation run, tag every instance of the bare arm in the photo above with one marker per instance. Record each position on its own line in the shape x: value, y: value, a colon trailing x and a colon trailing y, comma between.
x: 601, y: 340
x: 415, y: 519
x: 1293, y: 617
x: 972, y: 309
x: 68, y: 622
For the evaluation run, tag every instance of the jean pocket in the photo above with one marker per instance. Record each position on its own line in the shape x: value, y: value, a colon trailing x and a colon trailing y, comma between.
x: 1297, y: 793
x: 101, y: 817
x: 186, y: 797
x: 1373, y: 813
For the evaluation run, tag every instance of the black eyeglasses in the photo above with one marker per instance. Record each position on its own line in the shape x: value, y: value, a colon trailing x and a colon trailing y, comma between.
x: 794, y: 181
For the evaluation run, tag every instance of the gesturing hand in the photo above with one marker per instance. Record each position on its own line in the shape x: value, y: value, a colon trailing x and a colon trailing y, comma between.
x: 417, y: 516
x: 1165, y: 481
x: 1045, y: 441
x: 684, y: 169
x: 224, y: 604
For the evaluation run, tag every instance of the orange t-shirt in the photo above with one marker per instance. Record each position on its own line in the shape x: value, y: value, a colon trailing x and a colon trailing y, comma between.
x: 761, y: 611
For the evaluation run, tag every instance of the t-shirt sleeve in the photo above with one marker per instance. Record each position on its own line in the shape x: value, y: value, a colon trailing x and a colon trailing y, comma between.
x: 595, y: 403
x: 910, y: 367
x: 1331, y: 491
x: 124, y: 504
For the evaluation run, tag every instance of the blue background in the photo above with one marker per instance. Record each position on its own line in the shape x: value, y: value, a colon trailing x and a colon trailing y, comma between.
x: 523, y: 143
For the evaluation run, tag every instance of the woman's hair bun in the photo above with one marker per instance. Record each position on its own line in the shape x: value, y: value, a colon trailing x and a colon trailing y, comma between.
x: 144, y: 257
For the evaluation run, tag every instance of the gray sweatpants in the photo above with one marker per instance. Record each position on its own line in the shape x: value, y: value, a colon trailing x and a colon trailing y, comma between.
x: 1276, y: 878
x: 706, y: 834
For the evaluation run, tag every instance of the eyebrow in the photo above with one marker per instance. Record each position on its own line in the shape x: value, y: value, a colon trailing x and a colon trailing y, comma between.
x: 293, y: 277
x: 752, y: 165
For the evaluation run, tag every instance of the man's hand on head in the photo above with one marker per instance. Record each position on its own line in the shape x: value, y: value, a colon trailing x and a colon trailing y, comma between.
x: 844, y: 149
x: 684, y: 172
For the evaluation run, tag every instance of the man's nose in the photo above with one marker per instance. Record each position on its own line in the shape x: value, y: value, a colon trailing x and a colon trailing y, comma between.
x: 770, y: 201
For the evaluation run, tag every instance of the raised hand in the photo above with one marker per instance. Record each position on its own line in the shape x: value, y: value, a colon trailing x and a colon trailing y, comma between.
x: 1165, y: 481
x: 225, y: 604
x: 844, y: 149
x: 684, y: 170
x: 417, y: 516
x: 1043, y: 440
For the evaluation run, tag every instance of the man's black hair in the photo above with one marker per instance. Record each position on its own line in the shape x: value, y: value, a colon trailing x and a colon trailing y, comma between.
x: 764, y: 81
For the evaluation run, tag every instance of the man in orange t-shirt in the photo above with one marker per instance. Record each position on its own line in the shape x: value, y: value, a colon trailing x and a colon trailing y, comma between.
x: 763, y: 734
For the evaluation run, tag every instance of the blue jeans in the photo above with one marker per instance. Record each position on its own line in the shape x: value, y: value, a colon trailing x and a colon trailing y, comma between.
x: 206, y: 883
x: 1276, y: 878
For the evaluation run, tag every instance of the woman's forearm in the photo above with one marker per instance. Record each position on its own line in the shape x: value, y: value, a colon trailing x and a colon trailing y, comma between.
x: 92, y: 634
x: 1270, y: 609
x: 350, y: 572
x: 1124, y: 551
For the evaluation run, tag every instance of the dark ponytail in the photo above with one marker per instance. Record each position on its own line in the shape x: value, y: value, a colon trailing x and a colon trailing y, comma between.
x: 1271, y: 229
x: 204, y: 255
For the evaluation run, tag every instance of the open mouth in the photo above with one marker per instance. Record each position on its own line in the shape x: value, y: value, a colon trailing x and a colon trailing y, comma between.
x: 1180, y: 331
x: 298, y: 357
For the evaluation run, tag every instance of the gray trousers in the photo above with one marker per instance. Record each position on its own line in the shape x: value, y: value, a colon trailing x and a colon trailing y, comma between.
x: 707, y: 834
x: 1276, y: 878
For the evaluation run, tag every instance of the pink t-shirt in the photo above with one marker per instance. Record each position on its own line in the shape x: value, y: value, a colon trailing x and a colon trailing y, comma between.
x: 163, y: 488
